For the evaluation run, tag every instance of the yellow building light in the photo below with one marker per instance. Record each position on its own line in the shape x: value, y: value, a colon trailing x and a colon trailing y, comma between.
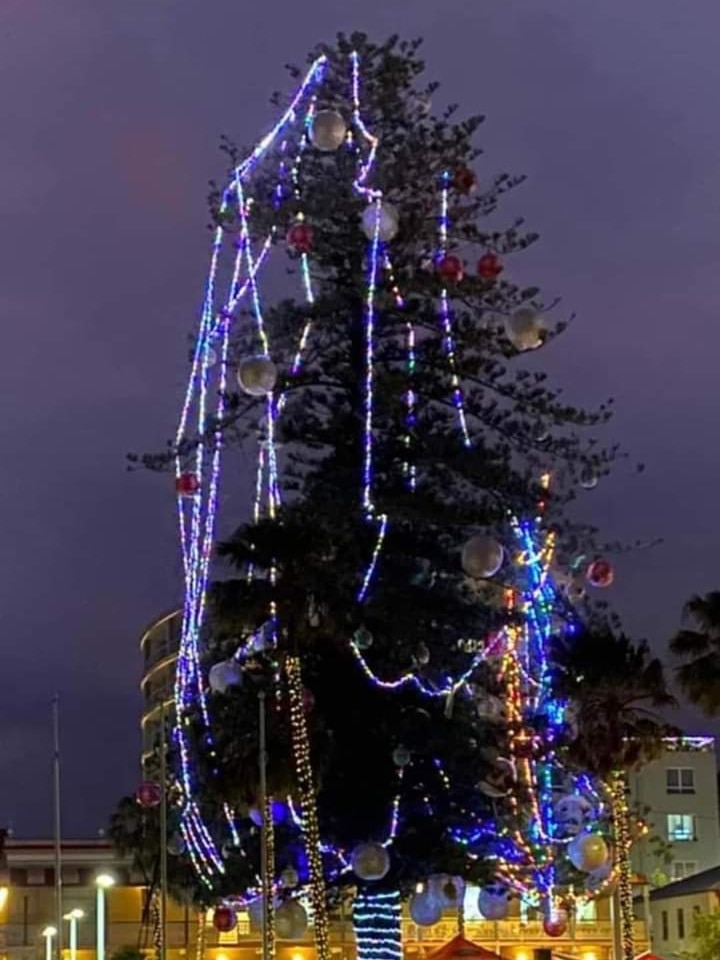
x: 4, y: 892
x: 221, y: 956
x: 589, y: 955
x: 522, y: 955
x: 297, y: 956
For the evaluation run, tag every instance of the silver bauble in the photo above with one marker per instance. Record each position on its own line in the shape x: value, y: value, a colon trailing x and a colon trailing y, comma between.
x: 291, y: 920
x: 227, y: 673
x: 401, y: 756
x: 494, y: 901
x: 370, y: 861
x: 524, y: 329
x: 588, y: 852
x: 482, y: 557
x: 257, y: 376
x: 328, y: 130
x: 425, y: 908
x: 388, y: 221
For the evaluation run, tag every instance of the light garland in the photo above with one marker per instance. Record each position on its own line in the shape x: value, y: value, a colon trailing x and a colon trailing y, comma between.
x: 377, y: 923
x: 623, y: 842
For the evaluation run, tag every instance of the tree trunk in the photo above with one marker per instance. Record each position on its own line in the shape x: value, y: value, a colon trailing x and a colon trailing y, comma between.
x: 376, y: 921
x: 621, y: 826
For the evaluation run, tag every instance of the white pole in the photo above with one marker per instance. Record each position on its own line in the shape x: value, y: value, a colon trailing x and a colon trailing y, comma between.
x: 49, y: 933
x: 58, y: 843
x: 73, y: 937
x: 100, y: 916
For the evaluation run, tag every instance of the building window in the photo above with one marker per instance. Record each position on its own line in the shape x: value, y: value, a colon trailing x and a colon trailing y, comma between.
x: 586, y: 911
x: 680, y: 780
x: 683, y: 868
x: 664, y: 922
x: 681, y: 923
x: 680, y: 827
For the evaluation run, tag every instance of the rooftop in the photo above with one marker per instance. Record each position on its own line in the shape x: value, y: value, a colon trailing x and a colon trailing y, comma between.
x: 701, y: 882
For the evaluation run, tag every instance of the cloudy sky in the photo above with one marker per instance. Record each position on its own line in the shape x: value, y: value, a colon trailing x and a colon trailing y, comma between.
x: 110, y: 115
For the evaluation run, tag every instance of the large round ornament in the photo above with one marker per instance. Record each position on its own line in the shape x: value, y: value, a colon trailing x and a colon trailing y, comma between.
x: 600, y: 573
x: 482, y: 557
x: 289, y: 878
x: 291, y: 920
x: 588, y: 852
x: 597, y: 878
x: 422, y: 654
x: 300, y: 237
x: 224, y: 919
x: 362, y: 638
x: 149, y: 794
x: 448, y: 889
x: 328, y: 130
x: 524, y: 329
x: 489, y: 266
x: 588, y: 478
x: 425, y: 908
x: 451, y: 268
x: 401, y: 756
x: 572, y: 814
x: 555, y: 925
x: 186, y: 485
x: 464, y: 180
x: 227, y: 673
x: 370, y: 861
x: 494, y: 901
x: 257, y: 376
x: 176, y: 845
x: 388, y: 222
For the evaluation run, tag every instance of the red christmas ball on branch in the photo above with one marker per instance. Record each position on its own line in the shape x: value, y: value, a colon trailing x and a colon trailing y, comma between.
x: 187, y: 485
x: 148, y: 794
x: 451, y: 268
x: 554, y: 927
x: 600, y: 573
x: 489, y: 266
x: 464, y: 180
x: 300, y: 237
x: 224, y: 919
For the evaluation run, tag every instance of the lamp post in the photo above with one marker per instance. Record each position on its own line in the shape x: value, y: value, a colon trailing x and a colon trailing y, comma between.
x: 49, y: 933
x: 72, y: 919
x: 103, y: 882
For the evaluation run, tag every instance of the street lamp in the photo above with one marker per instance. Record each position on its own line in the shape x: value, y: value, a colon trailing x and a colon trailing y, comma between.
x: 103, y: 882
x: 72, y: 918
x: 49, y: 933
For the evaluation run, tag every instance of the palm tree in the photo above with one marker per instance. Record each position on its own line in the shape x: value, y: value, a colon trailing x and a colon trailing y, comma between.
x: 617, y: 686
x: 698, y: 644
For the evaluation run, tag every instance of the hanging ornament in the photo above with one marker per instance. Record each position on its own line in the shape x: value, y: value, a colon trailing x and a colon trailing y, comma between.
x: 588, y: 852
x: 149, y: 794
x: 289, y: 878
x: 575, y: 592
x: 176, y: 845
x: 482, y: 557
x: 388, y: 225
x: 448, y: 889
x: 600, y: 574
x: 464, y: 180
x: 186, y: 485
x: 572, y: 814
x: 401, y: 756
x: 422, y: 654
x: 300, y: 237
x: 291, y: 920
x: 328, y: 130
x: 524, y: 329
x: 596, y: 878
x: 362, y: 638
x: 555, y: 925
x: 489, y: 266
x: 494, y: 901
x: 255, y: 814
x: 588, y: 478
x: 257, y: 376
x: 224, y: 919
x: 451, y: 268
x: 370, y: 861
x: 227, y: 673
x: 425, y: 908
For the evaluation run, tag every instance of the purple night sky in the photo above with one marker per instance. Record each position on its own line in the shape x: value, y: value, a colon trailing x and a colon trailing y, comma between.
x: 111, y: 113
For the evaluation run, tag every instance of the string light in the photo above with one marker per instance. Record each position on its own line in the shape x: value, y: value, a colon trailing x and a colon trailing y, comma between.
x: 376, y: 921
x: 623, y: 842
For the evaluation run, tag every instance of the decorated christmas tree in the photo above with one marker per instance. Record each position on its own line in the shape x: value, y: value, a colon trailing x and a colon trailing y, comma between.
x: 365, y: 702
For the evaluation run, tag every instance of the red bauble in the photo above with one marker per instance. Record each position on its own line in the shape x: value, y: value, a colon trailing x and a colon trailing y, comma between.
x: 148, y: 794
x: 600, y: 573
x: 187, y: 485
x: 464, y: 180
x: 224, y: 919
x: 300, y: 237
x: 554, y: 928
x: 451, y: 268
x: 489, y: 266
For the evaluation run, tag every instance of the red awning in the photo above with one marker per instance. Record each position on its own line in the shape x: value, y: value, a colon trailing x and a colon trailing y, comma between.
x: 461, y: 949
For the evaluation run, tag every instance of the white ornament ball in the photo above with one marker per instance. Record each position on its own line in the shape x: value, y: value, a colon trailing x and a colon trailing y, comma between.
x: 524, y: 329
x: 572, y: 814
x: 257, y: 376
x: 328, y: 130
x: 227, y: 673
x: 289, y: 877
x: 370, y: 861
x: 494, y: 901
x: 425, y: 908
x: 291, y: 920
x: 388, y: 225
x: 588, y: 852
x: 596, y: 878
x: 482, y: 557
x: 447, y: 889
x: 401, y: 756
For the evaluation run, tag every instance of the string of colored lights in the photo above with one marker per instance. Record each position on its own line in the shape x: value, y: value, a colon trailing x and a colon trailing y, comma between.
x: 376, y: 921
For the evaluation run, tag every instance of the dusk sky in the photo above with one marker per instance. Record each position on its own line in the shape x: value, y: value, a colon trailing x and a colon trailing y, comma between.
x: 110, y: 115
